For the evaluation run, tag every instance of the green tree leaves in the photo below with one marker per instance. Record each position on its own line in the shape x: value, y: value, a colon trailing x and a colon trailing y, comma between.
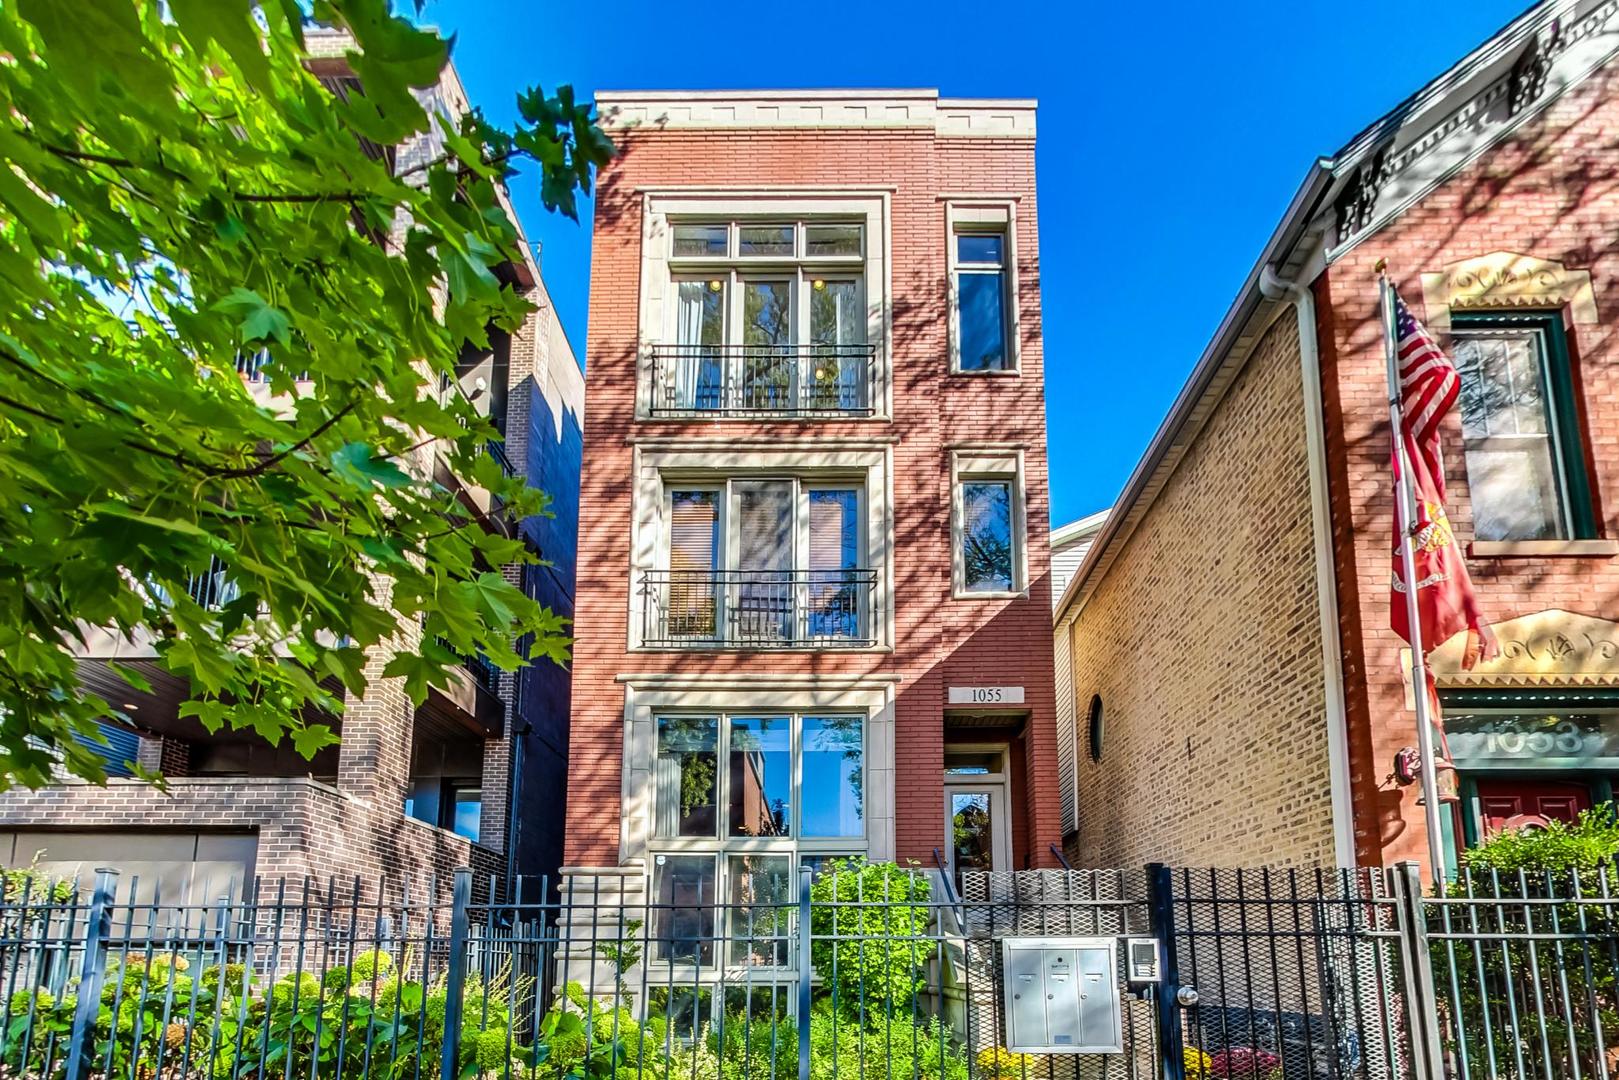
x: 179, y: 197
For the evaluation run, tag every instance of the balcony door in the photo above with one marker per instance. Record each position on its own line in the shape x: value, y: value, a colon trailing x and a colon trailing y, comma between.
x: 764, y: 562
x: 763, y: 558
x: 766, y: 343
x: 698, y: 377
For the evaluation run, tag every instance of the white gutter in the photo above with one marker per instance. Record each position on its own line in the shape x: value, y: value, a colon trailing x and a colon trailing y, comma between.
x: 1326, y: 587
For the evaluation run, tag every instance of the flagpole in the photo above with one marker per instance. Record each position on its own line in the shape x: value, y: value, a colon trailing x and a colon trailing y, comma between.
x: 1405, y: 502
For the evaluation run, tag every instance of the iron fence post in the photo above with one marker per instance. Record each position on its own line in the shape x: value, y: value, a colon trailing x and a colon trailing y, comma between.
x: 1161, y: 899
x: 92, y: 970
x: 1421, y: 997
x: 804, y: 875
x: 455, y: 973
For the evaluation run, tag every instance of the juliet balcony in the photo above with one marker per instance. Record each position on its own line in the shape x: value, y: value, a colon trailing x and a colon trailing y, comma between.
x: 762, y: 381
x: 759, y: 609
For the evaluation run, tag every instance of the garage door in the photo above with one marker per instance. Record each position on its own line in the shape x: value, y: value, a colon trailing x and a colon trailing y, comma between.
x: 161, y: 868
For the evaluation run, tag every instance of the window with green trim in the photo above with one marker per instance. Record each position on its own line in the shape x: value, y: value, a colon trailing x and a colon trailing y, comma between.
x: 1520, y: 428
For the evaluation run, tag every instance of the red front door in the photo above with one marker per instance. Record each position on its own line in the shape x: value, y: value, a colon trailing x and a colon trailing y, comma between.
x: 1513, y: 804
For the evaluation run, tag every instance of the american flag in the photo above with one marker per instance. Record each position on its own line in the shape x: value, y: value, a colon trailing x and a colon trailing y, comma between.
x: 1428, y: 380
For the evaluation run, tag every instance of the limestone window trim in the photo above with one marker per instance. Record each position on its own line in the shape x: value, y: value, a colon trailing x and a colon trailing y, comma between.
x: 1503, y: 281
x: 1543, y: 549
x: 661, y: 272
x: 987, y: 464
x: 993, y: 216
x: 869, y: 468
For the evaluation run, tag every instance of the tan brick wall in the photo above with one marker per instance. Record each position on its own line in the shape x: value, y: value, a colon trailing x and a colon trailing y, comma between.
x: 1546, y: 192
x: 1203, y: 640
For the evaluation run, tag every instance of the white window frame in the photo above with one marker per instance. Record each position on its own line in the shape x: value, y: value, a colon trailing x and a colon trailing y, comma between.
x: 660, y: 268
x: 666, y: 467
x: 988, y: 217
x: 994, y: 466
x: 653, y: 697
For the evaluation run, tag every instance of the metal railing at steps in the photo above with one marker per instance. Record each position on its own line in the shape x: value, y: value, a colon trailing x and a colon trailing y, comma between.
x: 794, y: 380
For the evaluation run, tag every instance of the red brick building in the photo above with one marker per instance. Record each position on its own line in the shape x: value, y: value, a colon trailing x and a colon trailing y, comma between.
x: 1270, y: 690
x: 813, y: 592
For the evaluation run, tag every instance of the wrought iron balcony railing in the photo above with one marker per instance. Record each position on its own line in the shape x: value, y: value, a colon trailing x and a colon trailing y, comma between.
x: 762, y: 380
x: 759, y: 609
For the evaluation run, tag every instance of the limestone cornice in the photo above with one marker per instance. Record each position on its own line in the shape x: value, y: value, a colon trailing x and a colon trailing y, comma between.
x: 667, y: 110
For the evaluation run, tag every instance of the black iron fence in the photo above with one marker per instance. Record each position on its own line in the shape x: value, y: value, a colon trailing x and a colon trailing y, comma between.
x: 847, y: 970
x: 759, y: 609
x: 762, y: 380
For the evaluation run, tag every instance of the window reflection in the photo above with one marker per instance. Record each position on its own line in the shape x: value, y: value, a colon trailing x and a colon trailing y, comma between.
x: 1508, y: 435
x: 685, y: 906
x: 987, y: 535
x: 833, y: 776
x: 687, y: 780
x: 761, y: 777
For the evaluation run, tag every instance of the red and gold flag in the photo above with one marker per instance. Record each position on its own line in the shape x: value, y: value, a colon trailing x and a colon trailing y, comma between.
x: 1446, y: 603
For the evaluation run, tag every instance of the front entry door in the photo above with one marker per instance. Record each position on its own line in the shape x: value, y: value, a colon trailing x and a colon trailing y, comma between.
x: 976, y: 827
x: 1516, y: 804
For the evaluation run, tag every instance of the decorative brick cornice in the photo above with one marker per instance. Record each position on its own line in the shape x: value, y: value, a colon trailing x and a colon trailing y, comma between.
x: 951, y: 117
x: 1459, y: 116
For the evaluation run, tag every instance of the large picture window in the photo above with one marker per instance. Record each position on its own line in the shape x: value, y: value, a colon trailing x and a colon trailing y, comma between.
x: 769, y: 317
x: 762, y: 563
x: 1520, y: 429
x: 739, y: 801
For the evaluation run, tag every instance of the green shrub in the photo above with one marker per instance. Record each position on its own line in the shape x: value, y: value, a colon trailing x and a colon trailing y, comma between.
x: 1589, y: 844
x: 871, y: 957
x: 1502, y: 991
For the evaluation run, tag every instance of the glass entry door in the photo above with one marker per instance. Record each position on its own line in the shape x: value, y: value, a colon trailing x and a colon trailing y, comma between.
x: 976, y: 828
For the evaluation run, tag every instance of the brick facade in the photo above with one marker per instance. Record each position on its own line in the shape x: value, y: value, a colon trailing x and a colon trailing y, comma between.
x: 1543, y: 192
x: 1204, y: 645
x: 939, y: 641
x: 1199, y: 620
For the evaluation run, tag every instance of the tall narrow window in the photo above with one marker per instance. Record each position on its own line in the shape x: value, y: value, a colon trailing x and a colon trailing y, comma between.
x: 1525, y: 471
x: 834, y: 548
x: 986, y: 535
x: 697, y: 376
x: 837, y: 324
x: 980, y: 285
x: 764, y: 559
x: 767, y: 380
x: 694, y: 552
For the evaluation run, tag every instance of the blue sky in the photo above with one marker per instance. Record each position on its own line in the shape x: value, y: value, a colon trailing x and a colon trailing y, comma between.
x: 1171, y: 137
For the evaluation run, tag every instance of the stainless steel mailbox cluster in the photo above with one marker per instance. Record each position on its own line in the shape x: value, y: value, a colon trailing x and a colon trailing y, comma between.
x: 1062, y: 995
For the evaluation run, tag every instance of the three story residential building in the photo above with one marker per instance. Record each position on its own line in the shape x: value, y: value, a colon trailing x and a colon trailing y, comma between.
x: 813, y: 595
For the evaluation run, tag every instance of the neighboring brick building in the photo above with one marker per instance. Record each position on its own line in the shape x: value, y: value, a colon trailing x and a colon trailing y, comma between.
x: 408, y: 792
x: 813, y: 537
x: 1240, y: 694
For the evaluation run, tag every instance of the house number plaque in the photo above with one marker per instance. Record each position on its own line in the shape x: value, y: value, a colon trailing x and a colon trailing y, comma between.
x: 985, y: 695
